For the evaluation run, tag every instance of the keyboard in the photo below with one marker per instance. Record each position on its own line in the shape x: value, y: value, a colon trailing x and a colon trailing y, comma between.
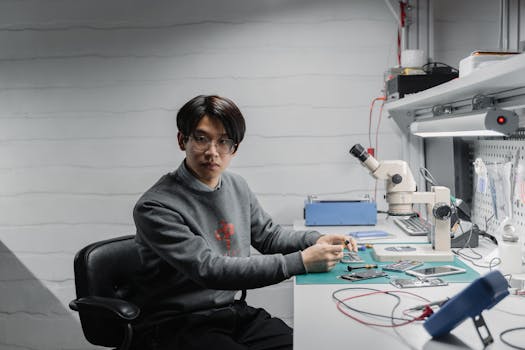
x: 413, y: 225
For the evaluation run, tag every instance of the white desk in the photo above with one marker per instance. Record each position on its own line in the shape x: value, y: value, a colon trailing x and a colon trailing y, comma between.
x: 319, y: 325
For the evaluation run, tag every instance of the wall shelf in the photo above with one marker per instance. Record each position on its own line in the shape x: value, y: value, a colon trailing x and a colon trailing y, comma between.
x: 504, y: 80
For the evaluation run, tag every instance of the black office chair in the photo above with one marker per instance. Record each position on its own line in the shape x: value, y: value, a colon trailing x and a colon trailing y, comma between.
x: 103, y: 280
x: 103, y: 275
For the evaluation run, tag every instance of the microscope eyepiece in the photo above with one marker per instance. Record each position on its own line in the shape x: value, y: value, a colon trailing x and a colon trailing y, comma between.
x: 359, y: 152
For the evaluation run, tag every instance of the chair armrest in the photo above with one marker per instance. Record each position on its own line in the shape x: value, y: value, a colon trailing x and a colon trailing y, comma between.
x: 113, y: 308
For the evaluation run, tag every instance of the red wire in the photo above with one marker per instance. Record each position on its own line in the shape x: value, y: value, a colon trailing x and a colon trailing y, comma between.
x: 427, y: 311
x: 398, y: 47
x: 370, y: 123
x: 381, y: 98
x: 421, y: 218
x: 377, y: 143
x: 402, y: 19
x: 379, y: 124
x: 402, y: 10
x: 370, y: 119
x: 420, y: 317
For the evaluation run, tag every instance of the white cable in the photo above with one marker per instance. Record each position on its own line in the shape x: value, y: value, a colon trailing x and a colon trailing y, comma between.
x: 387, y: 2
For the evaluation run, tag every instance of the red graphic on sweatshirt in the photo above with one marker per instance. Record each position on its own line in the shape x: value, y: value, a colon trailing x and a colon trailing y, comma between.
x: 225, y: 231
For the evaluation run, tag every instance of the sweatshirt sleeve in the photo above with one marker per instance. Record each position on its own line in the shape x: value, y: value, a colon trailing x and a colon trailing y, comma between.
x: 164, y: 231
x: 268, y: 237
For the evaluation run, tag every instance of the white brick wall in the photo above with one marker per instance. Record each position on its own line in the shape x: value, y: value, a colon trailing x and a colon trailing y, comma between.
x: 88, y: 95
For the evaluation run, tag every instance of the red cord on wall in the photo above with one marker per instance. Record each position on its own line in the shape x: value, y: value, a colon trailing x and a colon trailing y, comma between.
x: 402, y: 22
x: 371, y: 149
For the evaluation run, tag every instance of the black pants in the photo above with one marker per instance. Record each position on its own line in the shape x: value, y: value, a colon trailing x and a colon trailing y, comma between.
x: 235, y: 327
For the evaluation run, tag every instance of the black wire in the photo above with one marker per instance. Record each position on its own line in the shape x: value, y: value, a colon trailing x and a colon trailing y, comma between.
x: 467, y: 245
x: 403, y: 339
x: 478, y: 256
x: 508, y: 331
x: 398, y: 302
x: 435, y: 65
x: 490, y: 266
x: 366, y: 312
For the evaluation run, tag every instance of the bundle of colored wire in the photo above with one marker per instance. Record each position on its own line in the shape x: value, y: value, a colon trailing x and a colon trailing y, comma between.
x: 344, y: 307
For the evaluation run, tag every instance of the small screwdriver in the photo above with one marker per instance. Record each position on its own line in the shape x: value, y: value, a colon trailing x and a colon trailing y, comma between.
x: 346, y: 243
x: 368, y: 266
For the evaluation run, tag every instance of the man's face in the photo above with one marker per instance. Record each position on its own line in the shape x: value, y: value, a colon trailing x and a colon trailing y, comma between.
x: 206, y: 161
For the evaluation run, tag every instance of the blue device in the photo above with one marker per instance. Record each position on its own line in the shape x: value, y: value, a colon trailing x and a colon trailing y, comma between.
x: 369, y: 234
x: 483, y: 293
x: 340, y: 213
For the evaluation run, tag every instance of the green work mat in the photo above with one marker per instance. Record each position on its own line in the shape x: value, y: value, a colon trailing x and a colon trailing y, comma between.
x: 340, y: 269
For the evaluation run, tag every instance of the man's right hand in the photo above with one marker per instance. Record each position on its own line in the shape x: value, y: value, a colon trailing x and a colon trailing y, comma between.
x: 322, y: 257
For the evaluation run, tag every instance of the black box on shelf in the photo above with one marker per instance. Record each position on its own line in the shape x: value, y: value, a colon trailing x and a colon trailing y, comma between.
x: 402, y: 85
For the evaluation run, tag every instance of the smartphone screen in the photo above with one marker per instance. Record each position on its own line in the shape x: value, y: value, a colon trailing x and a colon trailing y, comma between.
x: 435, y: 271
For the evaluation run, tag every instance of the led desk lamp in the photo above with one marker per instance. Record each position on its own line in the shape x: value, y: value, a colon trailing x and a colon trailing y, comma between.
x: 492, y: 122
x: 401, y: 195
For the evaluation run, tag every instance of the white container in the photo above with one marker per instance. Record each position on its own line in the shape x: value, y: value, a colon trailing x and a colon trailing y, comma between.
x: 510, y: 251
x: 412, y: 58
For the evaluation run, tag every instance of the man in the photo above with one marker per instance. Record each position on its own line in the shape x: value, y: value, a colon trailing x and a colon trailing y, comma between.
x: 195, y: 227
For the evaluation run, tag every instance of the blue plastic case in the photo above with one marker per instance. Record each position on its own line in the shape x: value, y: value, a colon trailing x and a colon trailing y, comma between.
x: 340, y: 213
x: 483, y: 293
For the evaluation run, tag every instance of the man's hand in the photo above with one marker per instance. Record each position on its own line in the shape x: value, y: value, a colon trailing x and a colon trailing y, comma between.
x: 322, y: 257
x: 347, y: 241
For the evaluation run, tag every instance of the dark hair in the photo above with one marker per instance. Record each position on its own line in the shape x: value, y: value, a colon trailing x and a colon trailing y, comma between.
x: 216, y: 107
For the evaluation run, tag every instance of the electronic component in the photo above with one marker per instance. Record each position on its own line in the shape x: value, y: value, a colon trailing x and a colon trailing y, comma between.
x: 401, y: 85
x: 413, y: 225
x: 351, y: 257
x: 402, y: 266
x: 363, y: 275
x: 416, y: 283
x: 369, y: 234
x: 435, y: 271
x: 400, y: 248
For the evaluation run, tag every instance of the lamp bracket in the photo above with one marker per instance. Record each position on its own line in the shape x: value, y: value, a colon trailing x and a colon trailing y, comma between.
x: 481, y: 101
x: 438, y: 110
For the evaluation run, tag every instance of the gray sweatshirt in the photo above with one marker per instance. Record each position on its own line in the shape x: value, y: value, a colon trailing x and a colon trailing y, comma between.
x: 194, y: 243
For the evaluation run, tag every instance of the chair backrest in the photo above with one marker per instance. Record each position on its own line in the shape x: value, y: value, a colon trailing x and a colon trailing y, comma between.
x: 105, y: 269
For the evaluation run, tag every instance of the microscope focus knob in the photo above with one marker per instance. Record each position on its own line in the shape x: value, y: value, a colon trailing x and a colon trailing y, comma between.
x: 442, y: 211
x: 397, y: 179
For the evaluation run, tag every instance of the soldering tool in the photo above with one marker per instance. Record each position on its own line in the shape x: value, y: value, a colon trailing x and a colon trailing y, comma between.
x: 368, y: 266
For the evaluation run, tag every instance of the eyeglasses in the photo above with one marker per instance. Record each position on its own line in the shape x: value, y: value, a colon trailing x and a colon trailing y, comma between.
x: 203, y: 143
